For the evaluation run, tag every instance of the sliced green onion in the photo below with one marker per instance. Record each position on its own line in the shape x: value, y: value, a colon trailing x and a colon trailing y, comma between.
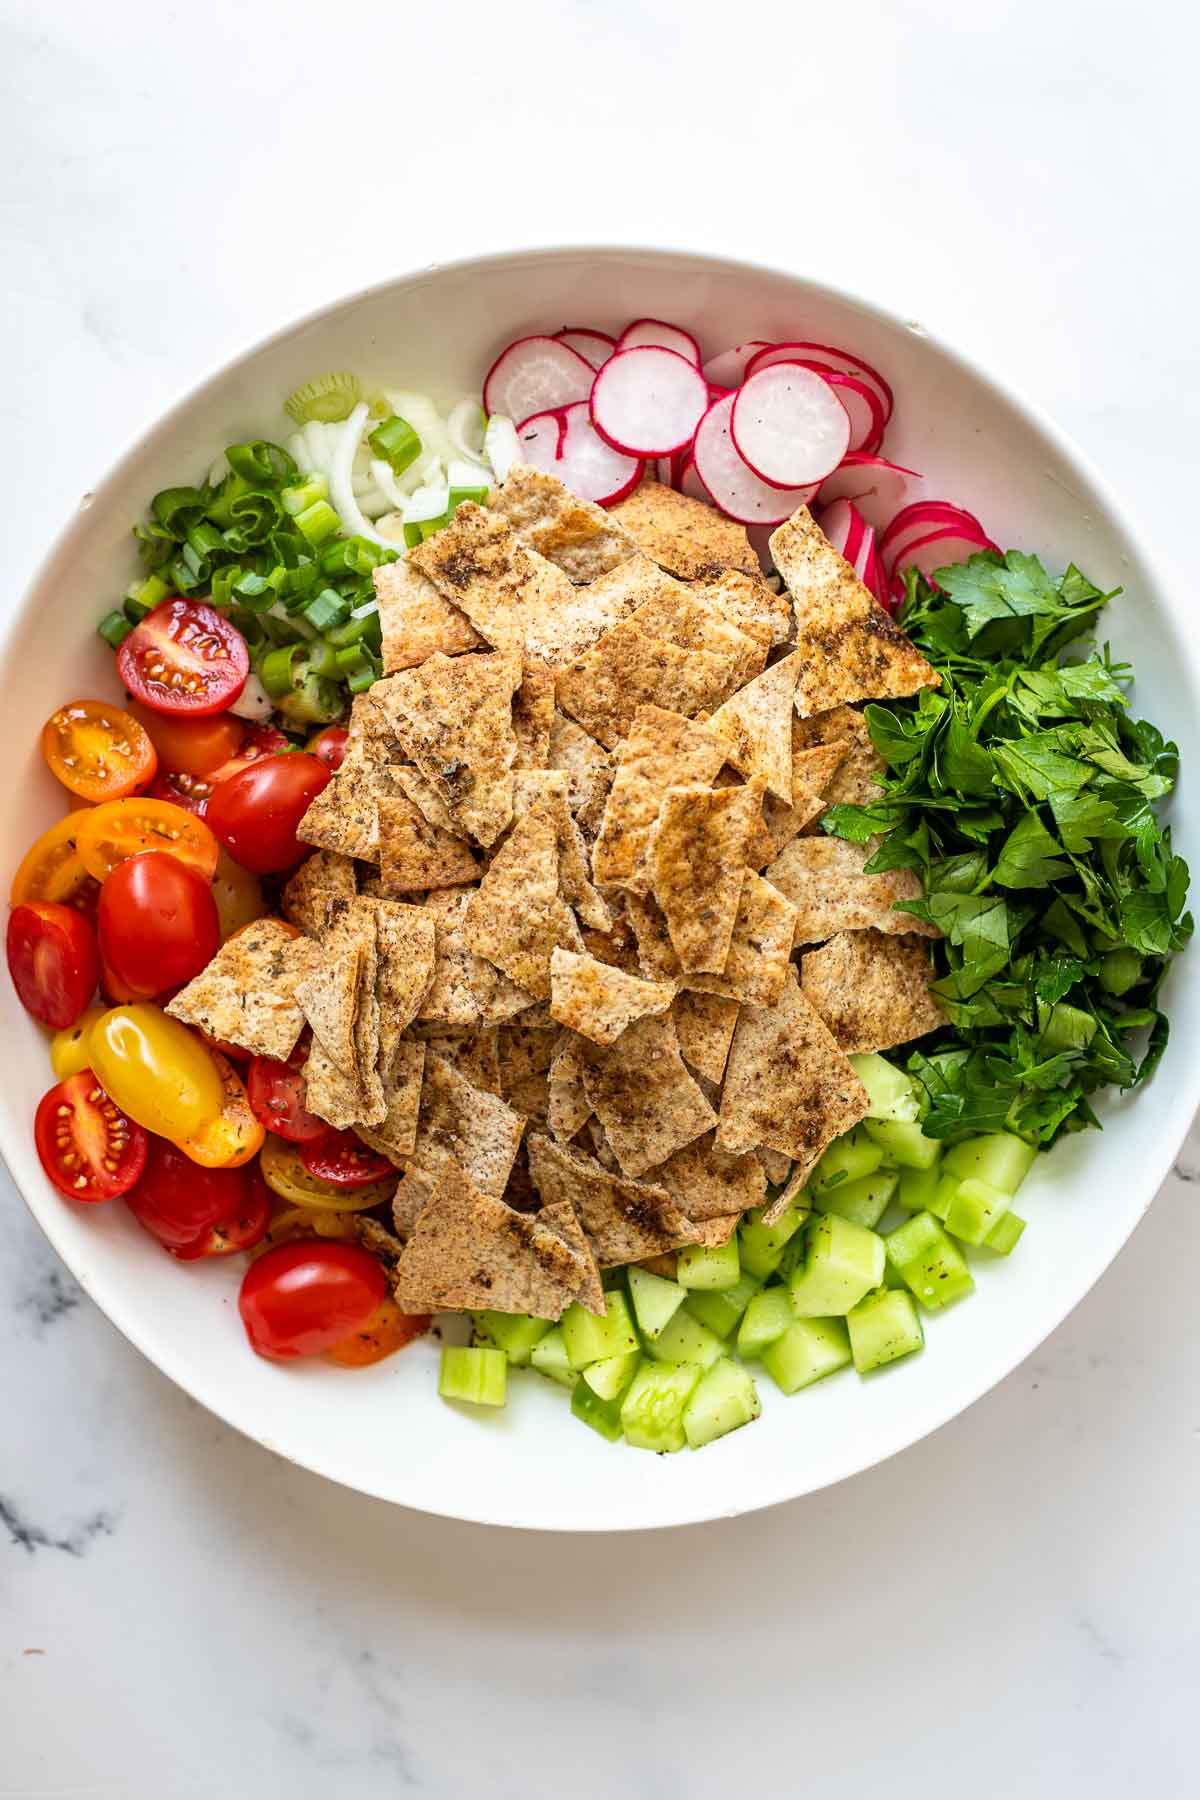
x: 352, y: 659
x: 363, y: 679
x: 263, y: 463
x: 326, y: 400
x: 459, y: 494
x: 177, y: 508
x: 417, y: 530
x: 326, y: 610
x: 314, y: 487
x: 114, y: 628
x: 146, y: 594
x: 312, y: 701
x: 322, y: 659
x: 318, y: 521
x: 276, y: 670
x: 396, y: 442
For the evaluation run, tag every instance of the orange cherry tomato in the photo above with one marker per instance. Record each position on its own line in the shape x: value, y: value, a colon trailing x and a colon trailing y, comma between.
x: 190, y: 746
x: 385, y: 1332
x: 53, y: 868
x: 235, y: 1136
x: 108, y: 834
x: 97, y: 751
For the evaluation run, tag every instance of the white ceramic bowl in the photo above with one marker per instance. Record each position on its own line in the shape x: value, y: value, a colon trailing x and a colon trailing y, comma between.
x: 384, y: 1430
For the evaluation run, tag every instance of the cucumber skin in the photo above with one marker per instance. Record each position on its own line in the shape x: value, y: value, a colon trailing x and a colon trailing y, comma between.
x: 807, y: 1352
x: 724, y: 1399
x: 884, y: 1327
x: 655, y: 1301
x: 653, y: 1408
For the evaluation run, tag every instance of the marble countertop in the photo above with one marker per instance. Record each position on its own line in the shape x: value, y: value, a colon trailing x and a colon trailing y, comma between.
x: 1007, y: 1606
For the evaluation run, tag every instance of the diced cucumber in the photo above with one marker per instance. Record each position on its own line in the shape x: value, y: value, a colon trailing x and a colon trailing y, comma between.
x: 892, y: 1094
x: 652, y: 1410
x: 722, y: 1311
x: 589, y: 1339
x: 883, y: 1326
x: 1005, y: 1234
x: 943, y: 1196
x: 514, y: 1333
x: 766, y: 1318
x: 842, y: 1262
x: 549, y: 1357
x: 761, y: 1246
x: 699, y: 1267
x: 655, y: 1300
x: 686, y: 1340
x: 808, y: 1350
x: 975, y: 1208
x: 724, y: 1398
x: 848, y: 1158
x: 476, y: 1373
x: 928, y: 1263
x: 609, y: 1378
x: 864, y: 1201
x: 603, y: 1416
x: 903, y: 1143
x: 1000, y: 1159
x: 917, y: 1188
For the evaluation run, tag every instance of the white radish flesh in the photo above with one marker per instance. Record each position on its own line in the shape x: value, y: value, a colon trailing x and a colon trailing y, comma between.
x: 863, y: 405
x: 843, y: 360
x: 938, y: 550
x: 341, y: 487
x: 644, y: 332
x: 534, y: 375
x: 565, y: 443
x: 729, y: 483
x: 595, y: 347
x: 789, y: 425
x: 726, y: 368
x: 648, y: 401
x: 465, y: 428
x: 877, y: 487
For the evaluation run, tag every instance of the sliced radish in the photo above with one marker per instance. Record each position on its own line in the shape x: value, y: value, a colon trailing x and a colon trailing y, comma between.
x: 534, y: 375
x: 844, y: 361
x: 939, y: 549
x: 691, y: 484
x: 877, y: 581
x: 648, y: 401
x: 564, y: 442
x: 846, y: 529
x: 920, y: 519
x: 726, y: 368
x: 789, y: 425
x: 646, y: 332
x: 729, y: 483
x: 876, y: 486
x: 595, y: 347
x: 863, y: 404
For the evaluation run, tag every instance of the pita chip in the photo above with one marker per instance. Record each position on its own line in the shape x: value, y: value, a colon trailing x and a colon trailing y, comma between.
x: 813, y: 769
x: 577, y: 535
x: 458, y: 1123
x: 525, y: 1049
x: 749, y: 602
x: 626, y: 669
x: 329, y: 1000
x: 663, y: 750
x: 599, y: 1001
x: 330, y: 1091
x: 756, y: 728
x: 247, y: 995
x: 569, y: 1108
x: 853, y: 782
x: 344, y: 817
x: 453, y: 716
x: 696, y: 858
x: 759, y: 951
x: 777, y: 1166
x: 672, y: 610
x: 823, y: 878
x: 533, y: 715
x: 623, y: 1220
x: 643, y: 1096
x: 321, y: 879
x: 704, y: 1026
x: 713, y: 1233
x: 415, y: 856
x: 707, y: 1183
x: 871, y: 990
x: 466, y: 990
x: 426, y: 799
x: 415, y: 620
x: 549, y: 788
x: 475, y: 1055
x: 395, y: 1135
x: 516, y: 918
x: 406, y: 949
x: 682, y: 534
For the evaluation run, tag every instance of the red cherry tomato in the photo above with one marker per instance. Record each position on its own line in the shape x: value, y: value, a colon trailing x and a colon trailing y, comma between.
x: 158, y: 923
x: 275, y: 1091
x: 255, y: 813
x: 52, y: 961
x: 385, y: 1332
x: 190, y: 771
x: 184, y: 657
x: 257, y: 741
x: 304, y: 1297
x: 344, y: 1160
x: 192, y: 792
x: 330, y: 745
x: 194, y: 1211
x: 87, y: 1146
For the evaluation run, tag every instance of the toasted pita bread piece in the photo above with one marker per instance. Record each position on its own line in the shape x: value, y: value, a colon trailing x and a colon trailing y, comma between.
x: 533, y: 715
x: 748, y: 601
x: 853, y: 783
x: 415, y: 856
x: 759, y: 949
x: 458, y: 1123
x: 707, y: 1183
x: 787, y: 1085
x: 847, y: 647
x: 549, y: 788
x: 453, y: 716
x: 577, y: 535
x: 569, y: 1108
x: 530, y: 1098
x: 623, y: 1220
x: 415, y: 620
x: 813, y: 769
x: 823, y: 878
x: 247, y: 994
x: 756, y: 728
x: 713, y: 1233
x: 469, y: 1251
x: 516, y: 919
x: 663, y: 750
x: 406, y: 948
x: 525, y: 1049
x: 344, y: 817
x: 320, y: 880
x: 643, y: 1096
x: 704, y: 1026
x: 331, y: 1092
x: 465, y: 990
x: 355, y: 924
x: 474, y: 1054
x: 329, y: 1000
x: 395, y: 1135
x: 697, y: 857
x: 681, y: 615
x: 626, y: 669
x: 682, y: 534
x: 776, y: 1165
x: 871, y: 990
x: 598, y: 1001
x: 427, y: 800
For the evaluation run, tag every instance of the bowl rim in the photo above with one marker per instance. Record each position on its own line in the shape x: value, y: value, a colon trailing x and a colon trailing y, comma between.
x: 1183, y: 1099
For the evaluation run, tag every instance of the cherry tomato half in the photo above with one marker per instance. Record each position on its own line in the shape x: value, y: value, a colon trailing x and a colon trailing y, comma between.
x: 276, y: 1094
x: 71, y: 1048
x: 193, y: 791
x: 255, y: 813
x: 190, y: 746
x: 235, y: 1136
x: 52, y: 961
x: 330, y: 745
x: 195, y: 1212
x: 302, y: 1298
x: 106, y: 835
x: 97, y: 751
x: 184, y: 657
x: 286, y: 1175
x: 343, y: 1159
x: 156, y: 1070
x: 158, y: 923
x: 53, y: 868
x: 385, y: 1332
x: 87, y: 1146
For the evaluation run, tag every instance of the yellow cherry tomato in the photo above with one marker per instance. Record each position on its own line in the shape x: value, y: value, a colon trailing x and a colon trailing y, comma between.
x: 70, y: 1050
x: 156, y: 1070
x: 238, y: 896
x: 284, y: 1172
x: 235, y: 1135
x: 305, y: 1222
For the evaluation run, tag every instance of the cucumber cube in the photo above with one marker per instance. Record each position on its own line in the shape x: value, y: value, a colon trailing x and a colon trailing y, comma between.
x: 725, y: 1398
x: 549, y: 1357
x: 918, y: 1187
x: 1005, y: 1234
x: 653, y: 1408
x: 848, y: 1158
x: 761, y: 1247
x: 655, y: 1300
x: 514, y: 1333
x: 842, y: 1262
x: 928, y: 1263
x: 808, y: 1350
x: 589, y: 1339
x: 864, y: 1201
x: 999, y: 1158
x: 722, y: 1311
x: 892, y: 1094
x: 943, y: 1196
x: 903, y: 1143
x: 883, y: 1326
x: 686, y: 1340
x: 478, y: 1375
x: 609, y: 1378
x: 975, y: 1208
x: 603, y: 1416
x: 699, y: 1267
x: 766, y: 1318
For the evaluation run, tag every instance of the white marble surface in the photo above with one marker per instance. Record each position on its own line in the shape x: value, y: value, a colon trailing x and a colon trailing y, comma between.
x: 1009, y: 1606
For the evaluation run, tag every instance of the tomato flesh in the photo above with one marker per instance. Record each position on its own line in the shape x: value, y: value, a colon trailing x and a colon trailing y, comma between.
x: 276, y: 1094
x: 158, y: 923
x: 97, y: 751
x: 184, y: 657
x: 52, y: 869
x: 156, y: 1070
x: 105, y: 835
x: 302, y: 1298
x: 88, y: 1147
x: 343, y: 1159
x: 71, y: 1048
x: 255, y: 813
x: 330, y: 745
x: 52, y: 960
x: 195, y: 1212
x: 190, y: 746
x: 386, y: 1331
x: 193, y: 789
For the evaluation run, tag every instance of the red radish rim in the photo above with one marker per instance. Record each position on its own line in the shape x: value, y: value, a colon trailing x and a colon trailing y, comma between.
x: 530, y: 337
x: 583, y: 331
x: 905, y: 557
x: 867, y: 461
x: 803, y: 344
x: 805, y: 493
x: 789, y: 486
x: 837, y: 379
x: 615, y: 443
x: 917, y: 511
x: 666, y: 325
x: 563, y: 425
